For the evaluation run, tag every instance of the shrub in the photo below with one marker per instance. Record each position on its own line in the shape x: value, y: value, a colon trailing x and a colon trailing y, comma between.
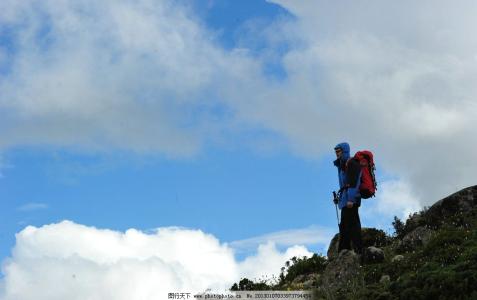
x: 398, y: 227
x: 248, y: 285
x: 374, y: 237
x: 302, y: 266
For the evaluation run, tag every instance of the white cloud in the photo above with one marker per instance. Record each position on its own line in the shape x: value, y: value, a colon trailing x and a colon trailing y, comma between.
x: 312, y: 235
x: 394, y: 198
x: 111, y: 75
x: 270, y: 261
x: 391, y: 77
x: 72, y: 261
x: 148, y: 76
x: 32, y: 206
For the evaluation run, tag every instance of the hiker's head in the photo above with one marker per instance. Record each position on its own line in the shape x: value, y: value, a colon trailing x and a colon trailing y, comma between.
x: 342, y: 151
x: 338, y: 152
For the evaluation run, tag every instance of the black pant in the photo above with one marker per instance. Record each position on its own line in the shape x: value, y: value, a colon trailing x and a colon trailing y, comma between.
x: 350, y: 230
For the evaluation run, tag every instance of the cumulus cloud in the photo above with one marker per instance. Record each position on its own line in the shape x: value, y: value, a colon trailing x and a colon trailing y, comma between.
x: 101, y: 75
x: 395, y: 198
x: 392, y: 77
x: 149, y: 76
x: 73, y: 261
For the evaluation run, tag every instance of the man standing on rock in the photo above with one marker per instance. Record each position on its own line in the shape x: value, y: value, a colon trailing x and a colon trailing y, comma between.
x: 349, y: 175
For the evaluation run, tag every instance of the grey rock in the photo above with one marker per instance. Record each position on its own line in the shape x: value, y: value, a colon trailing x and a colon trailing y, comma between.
x: 342, y: 274
x: 397, y: 258
x: 332, y: 252
x: 434, y: 216
x: 455, y: 204
x: 385, y: 279
x: 305, y: 281
x: 416, y: 238
x: 463, y: 200
x: 308, y: 284
x: 311, y: 281
x: 373, y: 255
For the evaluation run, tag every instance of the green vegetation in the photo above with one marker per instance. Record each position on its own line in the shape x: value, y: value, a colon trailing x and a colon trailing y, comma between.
x: 302, y: 266
x: 248, y: 285
x: 294, y: 268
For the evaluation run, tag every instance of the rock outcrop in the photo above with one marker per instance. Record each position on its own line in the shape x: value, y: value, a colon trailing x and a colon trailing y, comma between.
x: 461, y: 201
x: 449, y: 207
x: 342, y: 274
x: 416, y: 238
x: 332, y: 252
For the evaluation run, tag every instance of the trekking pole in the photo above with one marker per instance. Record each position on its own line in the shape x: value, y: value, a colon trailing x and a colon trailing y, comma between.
x: 335, y: 200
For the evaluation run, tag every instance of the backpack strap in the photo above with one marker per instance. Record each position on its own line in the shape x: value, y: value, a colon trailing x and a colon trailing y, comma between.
x: 353, y: 170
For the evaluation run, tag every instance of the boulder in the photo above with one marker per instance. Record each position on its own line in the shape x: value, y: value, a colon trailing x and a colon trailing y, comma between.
x: 373, y: 255
x: 447, y: 208
x: 461, y: 201
x: 397, y: 258
x: 454, y: 205
x: 307, y: 285
x: 306, y: 282
x: 416, y: 238
x: 342, y: 274
x: 385, y: 279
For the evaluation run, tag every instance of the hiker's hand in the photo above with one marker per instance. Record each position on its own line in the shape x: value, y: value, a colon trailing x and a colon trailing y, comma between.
x: 349, y: 204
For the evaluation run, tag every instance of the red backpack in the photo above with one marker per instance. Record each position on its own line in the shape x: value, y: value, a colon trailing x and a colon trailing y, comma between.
x: 368, y: 184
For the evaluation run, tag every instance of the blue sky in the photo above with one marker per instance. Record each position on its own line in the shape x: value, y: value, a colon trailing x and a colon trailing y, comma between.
x: 232, y: 191
x: 232, y: 194
x: 215, y: 122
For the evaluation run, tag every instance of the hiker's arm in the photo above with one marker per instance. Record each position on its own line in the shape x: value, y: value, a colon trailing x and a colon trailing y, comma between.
x: 352, y: 176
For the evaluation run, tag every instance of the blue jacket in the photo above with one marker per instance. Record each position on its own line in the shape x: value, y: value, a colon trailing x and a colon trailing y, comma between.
x: 349, y: 176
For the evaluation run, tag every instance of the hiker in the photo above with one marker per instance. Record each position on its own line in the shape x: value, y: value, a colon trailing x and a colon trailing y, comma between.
x: 349, y: 175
